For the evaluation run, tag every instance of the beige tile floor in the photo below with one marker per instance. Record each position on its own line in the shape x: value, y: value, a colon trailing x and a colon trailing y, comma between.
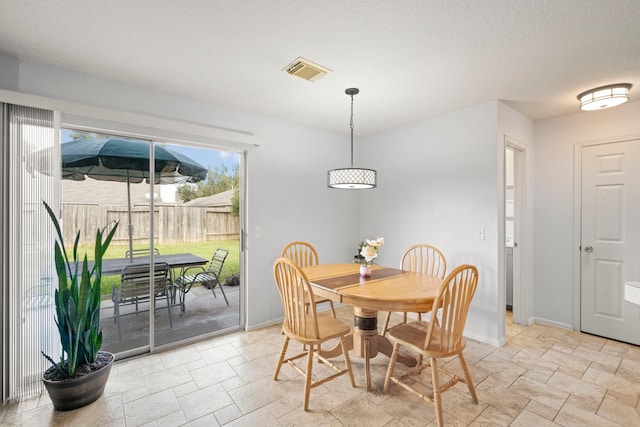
x: 542, y: 376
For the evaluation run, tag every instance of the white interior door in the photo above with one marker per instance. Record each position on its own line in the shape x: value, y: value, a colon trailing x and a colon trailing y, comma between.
x: 610, y: 239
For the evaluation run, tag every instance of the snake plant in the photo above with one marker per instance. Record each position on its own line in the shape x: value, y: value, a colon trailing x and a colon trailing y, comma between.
x: 77, y: 300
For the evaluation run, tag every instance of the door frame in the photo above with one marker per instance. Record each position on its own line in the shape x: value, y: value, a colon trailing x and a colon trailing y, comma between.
x: 520, y: 294
x: 577, y: 220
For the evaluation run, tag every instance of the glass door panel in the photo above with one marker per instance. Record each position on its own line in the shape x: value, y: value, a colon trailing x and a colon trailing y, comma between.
x: 108, y: 187
x: 196, y: 216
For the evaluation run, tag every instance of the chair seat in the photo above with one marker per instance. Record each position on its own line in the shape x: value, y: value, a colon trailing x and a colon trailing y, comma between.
x: 319, y: 300
x: 414, y: 334
x: 328, y: 326
x: 201, y: 277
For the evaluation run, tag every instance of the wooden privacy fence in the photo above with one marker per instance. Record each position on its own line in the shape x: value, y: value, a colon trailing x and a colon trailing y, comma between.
x: 172, y: 223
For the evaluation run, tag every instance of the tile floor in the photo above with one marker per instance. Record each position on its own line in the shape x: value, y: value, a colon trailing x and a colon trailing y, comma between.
x: 542, y: 376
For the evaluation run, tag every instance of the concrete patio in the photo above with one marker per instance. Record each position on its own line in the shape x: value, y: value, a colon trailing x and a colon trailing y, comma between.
x: 204, y: 314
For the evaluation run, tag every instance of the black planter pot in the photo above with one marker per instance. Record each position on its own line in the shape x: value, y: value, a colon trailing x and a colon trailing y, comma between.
x: 77, y: 392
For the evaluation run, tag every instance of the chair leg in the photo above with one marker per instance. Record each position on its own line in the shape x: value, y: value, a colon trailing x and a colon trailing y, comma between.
x: 392, y: 365
x: 437, y: 397
x: 117, y: 319
x: 181, y: 299
x: 308, y: 378
x: 347, y: 361
x: 385, y: 327
x: 467, y: 376
x: 169, y: 310
x: 285, y: 344
x: 367, y: 361
x: 333, y: 311
x: 221, y: 290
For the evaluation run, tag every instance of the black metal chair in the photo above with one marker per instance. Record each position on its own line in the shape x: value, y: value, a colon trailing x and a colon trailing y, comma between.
x: 134, y: 288
x: 141, y: 252
x: 209, y: 277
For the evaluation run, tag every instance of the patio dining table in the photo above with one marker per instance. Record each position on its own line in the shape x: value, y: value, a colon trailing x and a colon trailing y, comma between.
x: 114, y: 266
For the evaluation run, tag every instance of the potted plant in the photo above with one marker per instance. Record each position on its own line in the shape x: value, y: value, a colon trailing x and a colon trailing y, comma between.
x: 79, y: 377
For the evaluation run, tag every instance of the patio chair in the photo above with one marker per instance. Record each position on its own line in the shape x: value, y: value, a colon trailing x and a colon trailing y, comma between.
x: 437, y: 340
x: 421, y: 259
x: 134, y: 288
x: 142, y: 252
x: 303, y: 324
x: 209, y: 277
x: 303, y: 255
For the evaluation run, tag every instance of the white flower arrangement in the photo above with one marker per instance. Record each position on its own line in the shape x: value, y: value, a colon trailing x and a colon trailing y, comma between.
x: 369, y: 250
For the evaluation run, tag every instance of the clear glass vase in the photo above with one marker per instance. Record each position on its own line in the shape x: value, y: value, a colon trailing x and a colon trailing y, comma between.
x: 365, y: 270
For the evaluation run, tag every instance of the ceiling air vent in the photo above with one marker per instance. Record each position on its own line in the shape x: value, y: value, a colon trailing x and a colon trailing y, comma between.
x: 306, y: 70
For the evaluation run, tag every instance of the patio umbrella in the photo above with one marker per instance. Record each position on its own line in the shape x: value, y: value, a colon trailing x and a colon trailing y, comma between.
x: 126, y: 160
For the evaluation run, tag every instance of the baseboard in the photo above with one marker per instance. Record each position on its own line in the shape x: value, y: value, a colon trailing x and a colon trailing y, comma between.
x: 551, y: 323
x: 272, y: 322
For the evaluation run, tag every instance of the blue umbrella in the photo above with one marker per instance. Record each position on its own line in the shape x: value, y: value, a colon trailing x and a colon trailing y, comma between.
x: 127, y: 160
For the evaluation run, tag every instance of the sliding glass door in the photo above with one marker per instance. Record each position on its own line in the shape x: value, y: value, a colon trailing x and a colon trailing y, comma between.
x: 174, y: 213
x: 175, y: 206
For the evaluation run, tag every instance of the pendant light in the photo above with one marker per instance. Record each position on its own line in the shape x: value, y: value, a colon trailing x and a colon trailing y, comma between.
x: 604, y: 97
x: 351, y: 178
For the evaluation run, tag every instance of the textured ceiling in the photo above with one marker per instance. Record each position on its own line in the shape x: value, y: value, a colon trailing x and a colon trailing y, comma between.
x: 411, y: 59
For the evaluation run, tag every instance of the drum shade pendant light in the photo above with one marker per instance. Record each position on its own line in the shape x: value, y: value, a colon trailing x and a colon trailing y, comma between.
x: 351, y: 178
x: 604, y: 97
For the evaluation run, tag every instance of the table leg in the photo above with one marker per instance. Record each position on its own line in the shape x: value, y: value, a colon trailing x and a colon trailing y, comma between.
x: 366, y: 343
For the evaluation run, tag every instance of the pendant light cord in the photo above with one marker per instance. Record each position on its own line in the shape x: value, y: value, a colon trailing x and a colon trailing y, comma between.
x: 351, y: 126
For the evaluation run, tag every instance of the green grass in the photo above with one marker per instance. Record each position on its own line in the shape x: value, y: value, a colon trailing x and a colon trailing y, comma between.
x: 202, y: 249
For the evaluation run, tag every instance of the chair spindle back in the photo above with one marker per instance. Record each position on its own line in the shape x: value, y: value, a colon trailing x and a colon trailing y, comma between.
x: 300, y: 316
x: 424, y: 259
x: 451, y: 306
x: 303, y: 254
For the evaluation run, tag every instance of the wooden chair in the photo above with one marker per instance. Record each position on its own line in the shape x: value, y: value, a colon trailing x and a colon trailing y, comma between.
x: 303, y: 254
x: 209, y: 277
x: 304, y: 324
x: 422, y: 259
x: 441, y: 339
x: 134, y: 288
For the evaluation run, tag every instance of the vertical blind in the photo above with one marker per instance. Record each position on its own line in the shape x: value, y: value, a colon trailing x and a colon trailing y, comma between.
x: 28, y: 147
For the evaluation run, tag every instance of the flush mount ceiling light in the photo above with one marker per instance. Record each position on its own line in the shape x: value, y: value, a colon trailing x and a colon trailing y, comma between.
x: 604, y: 97
x: 351, y: 178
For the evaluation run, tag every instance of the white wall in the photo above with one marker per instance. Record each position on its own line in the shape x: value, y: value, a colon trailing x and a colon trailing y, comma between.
x: 553, y: 222
x: 9, y: 72
x: 437, y: 184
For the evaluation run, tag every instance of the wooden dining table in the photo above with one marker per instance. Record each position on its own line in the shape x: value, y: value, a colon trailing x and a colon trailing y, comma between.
x: 387, y: 289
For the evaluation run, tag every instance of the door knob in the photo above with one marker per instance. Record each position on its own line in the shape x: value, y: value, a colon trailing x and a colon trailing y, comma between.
x: 588, y: 248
